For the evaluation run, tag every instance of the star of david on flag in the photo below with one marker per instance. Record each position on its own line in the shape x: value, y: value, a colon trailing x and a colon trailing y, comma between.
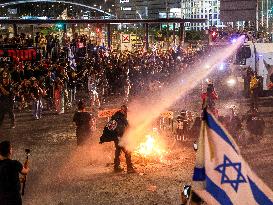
x: 221, y: 175
x: 222, y: 168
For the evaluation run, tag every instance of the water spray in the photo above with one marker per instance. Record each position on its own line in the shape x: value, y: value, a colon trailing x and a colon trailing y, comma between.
x: 142, y: 112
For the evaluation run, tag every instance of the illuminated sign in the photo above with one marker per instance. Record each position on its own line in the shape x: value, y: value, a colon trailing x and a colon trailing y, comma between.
x: 125, y: 38
x: 126, y: 8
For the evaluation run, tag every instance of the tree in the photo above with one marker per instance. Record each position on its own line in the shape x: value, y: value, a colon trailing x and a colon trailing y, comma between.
x: 195, y: 35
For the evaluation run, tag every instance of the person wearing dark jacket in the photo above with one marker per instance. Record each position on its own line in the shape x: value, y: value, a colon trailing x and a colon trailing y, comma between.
x: 7, y: 101
x: 121, y: 118
x: 114, y: 131
x: 10, y: 186
x: 83, y: 122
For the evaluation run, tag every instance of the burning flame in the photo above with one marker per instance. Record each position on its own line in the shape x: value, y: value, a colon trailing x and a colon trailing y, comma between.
x: 151, y: 148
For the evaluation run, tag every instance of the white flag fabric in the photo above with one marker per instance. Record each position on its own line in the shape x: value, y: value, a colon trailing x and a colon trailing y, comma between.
x: 221, y: 175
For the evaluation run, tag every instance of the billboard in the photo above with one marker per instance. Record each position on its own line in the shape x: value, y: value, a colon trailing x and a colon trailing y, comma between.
x: 129, y: 41
x: 125, y: 42
x: 238, y: 10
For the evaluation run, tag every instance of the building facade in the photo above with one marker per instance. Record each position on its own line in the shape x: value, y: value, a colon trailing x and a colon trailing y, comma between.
x: 196, y: 9
x: 144, y: 9
x: 265, y: 15
x: 201, y: 9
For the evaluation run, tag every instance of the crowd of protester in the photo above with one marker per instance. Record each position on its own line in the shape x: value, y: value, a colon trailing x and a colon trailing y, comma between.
x: 63, y: 68
x: 66, y: 68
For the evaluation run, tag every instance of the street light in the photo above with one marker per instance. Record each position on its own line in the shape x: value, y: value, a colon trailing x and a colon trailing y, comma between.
x: 231, y: 82
x: 139, y: 15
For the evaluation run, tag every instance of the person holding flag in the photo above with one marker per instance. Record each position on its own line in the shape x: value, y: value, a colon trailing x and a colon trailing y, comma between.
x: 209, y: 97
x: 221, y: 175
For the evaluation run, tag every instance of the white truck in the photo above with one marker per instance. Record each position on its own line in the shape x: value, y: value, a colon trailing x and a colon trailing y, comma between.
x: 258, y: 56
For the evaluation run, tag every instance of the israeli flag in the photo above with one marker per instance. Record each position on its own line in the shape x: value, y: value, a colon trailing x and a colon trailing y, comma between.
x: 221, y: 175
x: 72, y: 61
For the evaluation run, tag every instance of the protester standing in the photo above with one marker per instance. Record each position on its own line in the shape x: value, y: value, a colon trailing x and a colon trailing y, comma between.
x: 254, y: 91
x: 36, y: 96
x: 209, y: 98
x: 83, y: 121
x: 10, y: 186
x: 49, y: 86
x: 59, y: 95
x: 182, y: 130
x: 42, y: 44
x: 121, y: 118
x: 7, y: 101
x: 71, y: 86
x: 92, y: 89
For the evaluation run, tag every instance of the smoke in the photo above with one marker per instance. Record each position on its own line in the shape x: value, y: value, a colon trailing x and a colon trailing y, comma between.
x: 83, y: 163
x: 64, y: 167
x: 143, y: 111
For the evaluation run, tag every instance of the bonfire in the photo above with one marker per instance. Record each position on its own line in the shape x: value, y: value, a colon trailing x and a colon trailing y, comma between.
x: 152, y: 148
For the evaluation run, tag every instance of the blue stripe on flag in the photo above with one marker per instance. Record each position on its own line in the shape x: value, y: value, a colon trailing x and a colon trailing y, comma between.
x: 219, y: 194
x: 199, y: 174
x: 258, y: 195
x: 218, y: 129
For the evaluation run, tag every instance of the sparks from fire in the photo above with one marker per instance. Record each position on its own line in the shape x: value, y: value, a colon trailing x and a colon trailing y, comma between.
x: 151, y: 148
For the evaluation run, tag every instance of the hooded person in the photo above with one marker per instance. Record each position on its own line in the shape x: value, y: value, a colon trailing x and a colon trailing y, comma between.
x: 114, y: 131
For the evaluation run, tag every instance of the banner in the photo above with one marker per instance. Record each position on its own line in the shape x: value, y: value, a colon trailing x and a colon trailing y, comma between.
x: 8, y: 55
x: 125, y: 42
x: 136, y: 40
x: 125, y: 38
x: 167, y: 114
x: 107, y: 113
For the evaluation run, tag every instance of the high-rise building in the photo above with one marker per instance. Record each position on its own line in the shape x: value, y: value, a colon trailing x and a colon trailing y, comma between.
x: 201, y: 9
x: 147, y: 8
x: 196, y: 9
x: 265, y: 14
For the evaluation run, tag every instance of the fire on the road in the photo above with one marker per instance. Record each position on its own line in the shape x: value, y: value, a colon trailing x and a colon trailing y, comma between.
x: 151, y: 148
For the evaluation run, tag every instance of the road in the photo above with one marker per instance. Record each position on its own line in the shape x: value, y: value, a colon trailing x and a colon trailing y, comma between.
x: 64, y: 174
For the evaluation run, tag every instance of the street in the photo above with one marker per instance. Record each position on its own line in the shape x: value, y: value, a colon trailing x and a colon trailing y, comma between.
x: 62, y: 173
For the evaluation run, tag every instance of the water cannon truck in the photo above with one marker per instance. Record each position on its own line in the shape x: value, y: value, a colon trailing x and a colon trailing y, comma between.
x: 258, y: 57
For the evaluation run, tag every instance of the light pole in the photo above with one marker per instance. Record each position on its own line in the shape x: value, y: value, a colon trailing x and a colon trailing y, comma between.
x: 262, y: 11
x: 105, y: 1
x: 267, y: 11
x: 167, y: 16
